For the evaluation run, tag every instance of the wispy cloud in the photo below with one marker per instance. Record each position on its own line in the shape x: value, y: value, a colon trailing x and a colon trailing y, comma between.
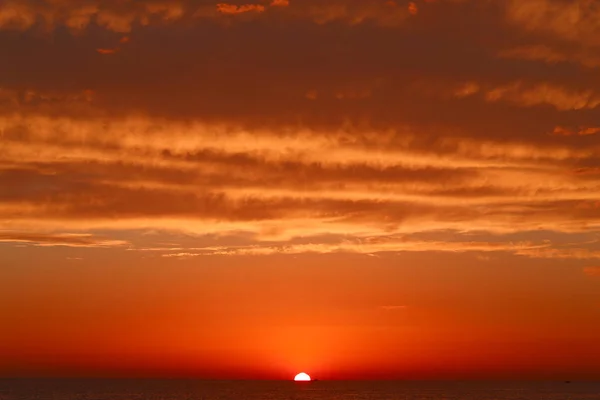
x: 123, y: 16
x: 575, y: 20
x: 581, y: 131
x: 387, y: 244
x: 107, y: 51
x: 562, y: 99
x: 59, y: 239
x: 280, y: 3
x: 239, y: 9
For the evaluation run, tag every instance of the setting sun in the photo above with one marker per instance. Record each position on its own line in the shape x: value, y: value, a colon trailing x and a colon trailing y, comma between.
x: 302, y: 377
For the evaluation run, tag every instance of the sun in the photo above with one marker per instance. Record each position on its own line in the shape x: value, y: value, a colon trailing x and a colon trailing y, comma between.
x: 302, y: 377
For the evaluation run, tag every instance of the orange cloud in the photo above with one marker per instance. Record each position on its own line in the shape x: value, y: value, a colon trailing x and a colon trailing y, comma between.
x: 122, y: 16
x: 225, y: 8
x: 468, y: 89
x: 16, y: 15
x: 586, y: 57
x: 393, y: 156
x: 64, y: 239
x: 152, y: 173
x: 384, y: 244
x: 530, y: 95
x: 575, y: 20
x: 77, y: 15
x: 412, y: 8
x: 582, y: 131
x: 561, y: 98
x: 107, y: 51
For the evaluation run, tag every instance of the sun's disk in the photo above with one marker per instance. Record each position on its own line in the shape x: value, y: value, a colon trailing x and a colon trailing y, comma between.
x: 302, y: 377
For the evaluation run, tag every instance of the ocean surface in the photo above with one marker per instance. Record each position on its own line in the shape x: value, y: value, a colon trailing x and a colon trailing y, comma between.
x: 27, y: 389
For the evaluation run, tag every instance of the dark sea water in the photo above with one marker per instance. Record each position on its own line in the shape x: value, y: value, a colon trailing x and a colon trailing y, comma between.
x: 26, y: 389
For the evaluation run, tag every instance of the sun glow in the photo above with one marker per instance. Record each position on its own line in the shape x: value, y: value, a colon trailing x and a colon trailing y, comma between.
x: 302, y: 377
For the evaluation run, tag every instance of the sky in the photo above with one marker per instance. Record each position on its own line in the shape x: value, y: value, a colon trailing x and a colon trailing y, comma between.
x: 356, y: 189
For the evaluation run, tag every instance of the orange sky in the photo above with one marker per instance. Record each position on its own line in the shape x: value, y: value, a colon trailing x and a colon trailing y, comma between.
x: 351, y: 188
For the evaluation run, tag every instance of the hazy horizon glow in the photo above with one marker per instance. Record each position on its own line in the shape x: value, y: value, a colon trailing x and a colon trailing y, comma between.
x: 359, y: 189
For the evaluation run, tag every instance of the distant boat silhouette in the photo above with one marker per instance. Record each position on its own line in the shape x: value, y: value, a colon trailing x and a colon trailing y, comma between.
x: 567, y: 381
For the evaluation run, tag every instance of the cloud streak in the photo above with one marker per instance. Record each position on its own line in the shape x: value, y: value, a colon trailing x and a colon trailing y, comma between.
x: 370, y: 245
x: 127, y: 15
x: 59, y: 239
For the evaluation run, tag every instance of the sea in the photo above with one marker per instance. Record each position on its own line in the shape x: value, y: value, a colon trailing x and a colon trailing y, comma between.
x: 57, y: 389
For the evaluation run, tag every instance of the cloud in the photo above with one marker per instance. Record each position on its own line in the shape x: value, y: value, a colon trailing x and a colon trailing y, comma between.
x: 545, y: 94
x: 559, y: 253
x: 124, y: 15
x: 581, y: 131
x: 151, y: 172
x: 490, y: 127
x: 558, y: 31
x: 225, y: 8
x: 78, y: 15
x: 280, y: 3
x: 562, y: 99
x: 371, y: 245
x: 107, y: 51
x: 59, y: 239
x: 540, y: 52
x: 379, y: 93
x: 180, y: 255
x: 413, y: 9
x: 15, y: 15
x: 576, y: 20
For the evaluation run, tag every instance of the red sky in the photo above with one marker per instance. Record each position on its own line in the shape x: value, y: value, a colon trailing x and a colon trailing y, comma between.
x: 351, y: 188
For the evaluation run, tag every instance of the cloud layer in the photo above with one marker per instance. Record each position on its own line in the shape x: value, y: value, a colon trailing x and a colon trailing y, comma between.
x: 355, y: 120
